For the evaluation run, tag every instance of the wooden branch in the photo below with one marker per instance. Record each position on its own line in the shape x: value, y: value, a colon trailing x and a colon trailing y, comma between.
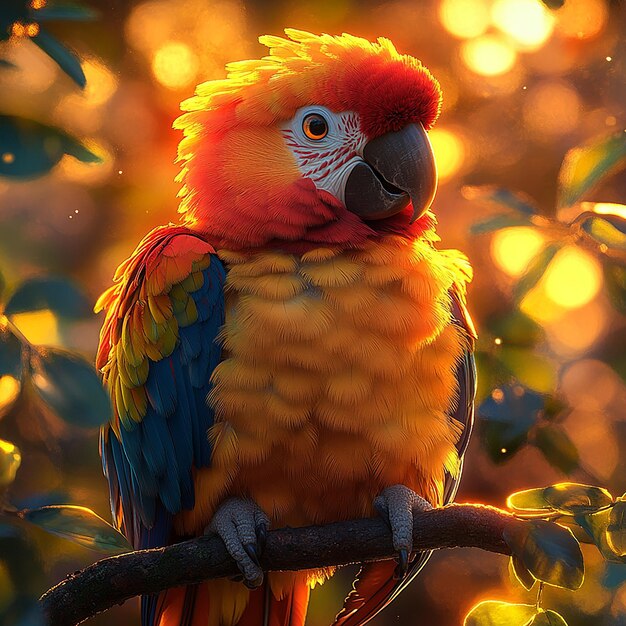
x: 116, y: 579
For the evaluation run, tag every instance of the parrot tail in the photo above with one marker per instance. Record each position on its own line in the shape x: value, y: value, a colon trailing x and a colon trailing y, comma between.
x: 264, y: 609
x: 372, y: 591
x: 223, y: 603
x: 181, y: 606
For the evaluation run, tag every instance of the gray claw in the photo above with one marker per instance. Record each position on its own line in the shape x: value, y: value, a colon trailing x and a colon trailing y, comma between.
x: 261, y: 533
x: 403, y: 564
x: 396, y: 506
x: 251, y: 551
x: 236, y: 522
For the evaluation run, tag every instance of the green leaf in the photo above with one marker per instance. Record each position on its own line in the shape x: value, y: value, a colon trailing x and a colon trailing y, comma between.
x: 596, y: 525
x: 549, y: 552
x: 21, y: 559
x: 496, y: 613
x: 521, y: 574
x: 10, y: 354
x: 615, y: 281
x: 576, y: 498
x: 516, y: 329
x: 59, y: 295
x: 585, y: 167
x: 65, y: 11
x: 616, y: 528
x: 536, y: 269
x: 69, y: 385
x: 607, y: 230
x: 64, y: 58
x: 502, y: 198
x: 529, y: 500
x: 10, y: 459
x: 529, y: 368
x: 548, y: 618
x: 498, y: 222
x: 508, y: 414
x: 35, y: 148
x: 79, y: 524
x: 557, y: 448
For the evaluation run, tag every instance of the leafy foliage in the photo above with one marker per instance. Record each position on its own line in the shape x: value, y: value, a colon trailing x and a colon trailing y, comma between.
x: 70, y: 387
x: 64, y: 381
x: 80, y: 525
x: 35, y: 148
x: 548, y: 551
x: 21, y: 18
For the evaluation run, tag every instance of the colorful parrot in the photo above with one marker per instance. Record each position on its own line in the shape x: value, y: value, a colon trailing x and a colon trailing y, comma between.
x: 296, y: 351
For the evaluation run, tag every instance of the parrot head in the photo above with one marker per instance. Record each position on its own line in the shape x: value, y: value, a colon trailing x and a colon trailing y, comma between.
x: 322, y: 142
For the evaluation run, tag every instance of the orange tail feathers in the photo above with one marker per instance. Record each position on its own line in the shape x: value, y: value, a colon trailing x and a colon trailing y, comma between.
x: 206, y: 605
x: 264, y: 609
x: 182, y: 606
x: 372, y: 590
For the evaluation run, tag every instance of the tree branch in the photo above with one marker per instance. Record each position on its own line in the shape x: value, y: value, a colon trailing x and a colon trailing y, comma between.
x: 113, y: 580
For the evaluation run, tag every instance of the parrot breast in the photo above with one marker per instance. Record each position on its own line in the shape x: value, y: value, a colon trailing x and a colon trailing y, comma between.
x: 338, y: 380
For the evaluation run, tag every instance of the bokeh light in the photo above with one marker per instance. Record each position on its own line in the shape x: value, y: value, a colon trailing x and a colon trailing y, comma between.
x: 528, y: 22
x: 464, y: 18
x: 581, y: 19
x: 573, y: 278
x: 9, y: 390
x: 552, y: 108
x: 39, y: 327
x: 175, y: 65
x: 449, y: 152
x: 513, y: 248
x: 577, y: 330
x: 489, y: 55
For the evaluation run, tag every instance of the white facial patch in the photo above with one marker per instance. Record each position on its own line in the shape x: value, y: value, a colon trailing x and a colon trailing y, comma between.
x: 329, y: 160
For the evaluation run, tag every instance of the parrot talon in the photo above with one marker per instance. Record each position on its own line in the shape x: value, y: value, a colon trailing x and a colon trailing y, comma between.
x: 396, y: 505
x: 403, y: 564
x: 251, y: 551
x: 236, y: 522
x: 261, y: 533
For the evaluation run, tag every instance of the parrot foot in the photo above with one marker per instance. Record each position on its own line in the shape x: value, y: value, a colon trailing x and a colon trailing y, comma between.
x: 242, y: 526
x: 396, y: 505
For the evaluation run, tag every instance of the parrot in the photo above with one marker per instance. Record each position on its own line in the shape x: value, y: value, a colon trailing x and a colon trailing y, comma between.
x: 296, y: 350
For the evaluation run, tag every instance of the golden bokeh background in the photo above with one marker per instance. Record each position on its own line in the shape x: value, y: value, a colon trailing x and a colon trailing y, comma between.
x: 523, y: 83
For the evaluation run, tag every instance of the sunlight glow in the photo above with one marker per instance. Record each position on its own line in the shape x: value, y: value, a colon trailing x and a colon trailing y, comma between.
x: 175, y: 65
x: 606, y: 208
x: 10, y: 459
x: 513, y: 248
x: 578, y: 329
x: 582, y: 19
x: 489, y: 55
x: 528, y: 22
x: 573, y: 278
x: 449, y: 152
x: 552, y: 108
x: 9, y: 390
x: 464, y: 18
x: 39, y: 327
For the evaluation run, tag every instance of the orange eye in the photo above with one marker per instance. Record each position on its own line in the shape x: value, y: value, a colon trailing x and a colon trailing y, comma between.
x: 315, y: 126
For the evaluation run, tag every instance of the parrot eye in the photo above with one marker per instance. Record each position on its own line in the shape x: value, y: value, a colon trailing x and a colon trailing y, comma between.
x: 315, y: 126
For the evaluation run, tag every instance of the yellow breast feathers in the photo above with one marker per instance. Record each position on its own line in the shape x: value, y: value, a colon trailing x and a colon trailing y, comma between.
x: 338, y: 379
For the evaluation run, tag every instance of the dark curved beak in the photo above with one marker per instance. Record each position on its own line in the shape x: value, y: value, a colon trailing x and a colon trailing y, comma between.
x: 398, y: 168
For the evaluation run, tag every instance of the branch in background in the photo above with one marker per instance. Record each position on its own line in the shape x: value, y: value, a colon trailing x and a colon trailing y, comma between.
x: 116, y: 579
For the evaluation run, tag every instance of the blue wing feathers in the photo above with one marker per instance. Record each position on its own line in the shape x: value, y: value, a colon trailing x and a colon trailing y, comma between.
x: 150, y: 469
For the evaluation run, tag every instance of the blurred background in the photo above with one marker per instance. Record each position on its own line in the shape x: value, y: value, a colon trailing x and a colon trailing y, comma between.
x: 525, y: 83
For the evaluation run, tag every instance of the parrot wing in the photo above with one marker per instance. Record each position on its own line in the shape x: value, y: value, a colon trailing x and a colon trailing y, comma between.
x: 376, y: 586
x: 157, y: 352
